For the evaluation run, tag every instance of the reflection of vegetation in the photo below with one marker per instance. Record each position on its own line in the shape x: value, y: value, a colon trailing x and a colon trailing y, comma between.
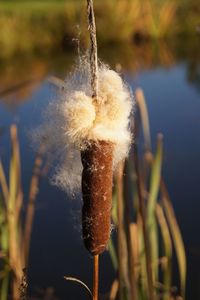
x: 147, y: 55
x: 21, y: 77
x: 147, y: 230
x: 38, y: 26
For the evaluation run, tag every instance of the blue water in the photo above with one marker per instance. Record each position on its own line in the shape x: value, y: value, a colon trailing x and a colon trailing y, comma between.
x: 56, y: 249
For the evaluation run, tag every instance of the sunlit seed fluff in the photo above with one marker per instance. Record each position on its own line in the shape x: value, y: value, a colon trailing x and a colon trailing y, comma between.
x: 106, y: 119
x: 79, y: 115
x: 74, y: 119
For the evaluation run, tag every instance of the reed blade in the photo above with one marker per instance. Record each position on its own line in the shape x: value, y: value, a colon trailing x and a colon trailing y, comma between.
x: 114, y: 208
x: 151, y: 206
x: 113, y: 255
x: 177, y: 237
x: 114, y: 290
x: 14, y: 207
x: 4, y: 185
x: 14, y: 174
x: 4, y: 288
x: 144, y: 117
x: 167, y: 248
x: 124, y: 284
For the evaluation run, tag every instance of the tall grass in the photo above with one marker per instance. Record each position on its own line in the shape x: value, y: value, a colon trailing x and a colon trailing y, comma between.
x: 147, y: 230
x: 14, y: 234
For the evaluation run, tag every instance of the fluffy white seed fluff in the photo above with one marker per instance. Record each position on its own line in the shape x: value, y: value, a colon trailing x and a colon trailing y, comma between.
x: 75, y: 119
x: 106, y: 119
x: 79, y: 113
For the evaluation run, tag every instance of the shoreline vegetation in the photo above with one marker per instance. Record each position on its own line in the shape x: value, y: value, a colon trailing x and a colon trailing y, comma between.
x: 43, y: 26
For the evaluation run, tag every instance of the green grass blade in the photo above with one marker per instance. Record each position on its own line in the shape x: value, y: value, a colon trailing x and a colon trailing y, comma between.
x: 113, y: 255
x: 4, y: 238
x: 151, y: 206
x: 3, y: 184
x: 114, y: 208
x: 3, y: 227
x: 155, y: 177
x: 4, y: 288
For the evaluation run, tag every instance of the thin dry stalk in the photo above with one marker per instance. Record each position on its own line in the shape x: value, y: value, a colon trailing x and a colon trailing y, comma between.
x: 141, y: 103
x: 122, y: 247
x: 95, y: 277
x: 114, y: 290
x: 14, y: 202
x: 93, y: 49
x: 135, y: 246
x: 142, y: 210
x: 176, y: 235
x: 76, y: 280
x: 130, y: 246
x: 31, y: 202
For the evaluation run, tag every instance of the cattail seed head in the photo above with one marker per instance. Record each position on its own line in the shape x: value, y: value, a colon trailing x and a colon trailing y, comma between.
x: 99, y: 130
x: 97, y: 162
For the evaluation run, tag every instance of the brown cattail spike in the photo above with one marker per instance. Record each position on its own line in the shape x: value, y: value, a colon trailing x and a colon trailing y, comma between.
x: 97, y: 162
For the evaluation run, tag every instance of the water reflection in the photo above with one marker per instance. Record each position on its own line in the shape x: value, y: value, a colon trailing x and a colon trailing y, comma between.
x: 20, y: 77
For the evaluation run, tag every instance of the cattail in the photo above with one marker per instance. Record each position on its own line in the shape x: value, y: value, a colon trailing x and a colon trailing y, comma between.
x: 88, y: 127
x: 89, y: 138
x: 97, y: 162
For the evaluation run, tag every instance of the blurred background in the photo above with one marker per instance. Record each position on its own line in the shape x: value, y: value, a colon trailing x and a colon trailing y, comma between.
x: 156, y: 43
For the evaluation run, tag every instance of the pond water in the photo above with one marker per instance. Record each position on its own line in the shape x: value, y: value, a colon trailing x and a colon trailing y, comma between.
x: 170, y: 78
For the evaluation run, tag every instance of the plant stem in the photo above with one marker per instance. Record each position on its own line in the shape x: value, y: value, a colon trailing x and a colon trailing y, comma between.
x: 122, y: 244
x: 95, y: 277
x: 31, y: 202
x: 131, y: 259
x: 93, y: 49
x: 94, y: 87
x: 144, y: 226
